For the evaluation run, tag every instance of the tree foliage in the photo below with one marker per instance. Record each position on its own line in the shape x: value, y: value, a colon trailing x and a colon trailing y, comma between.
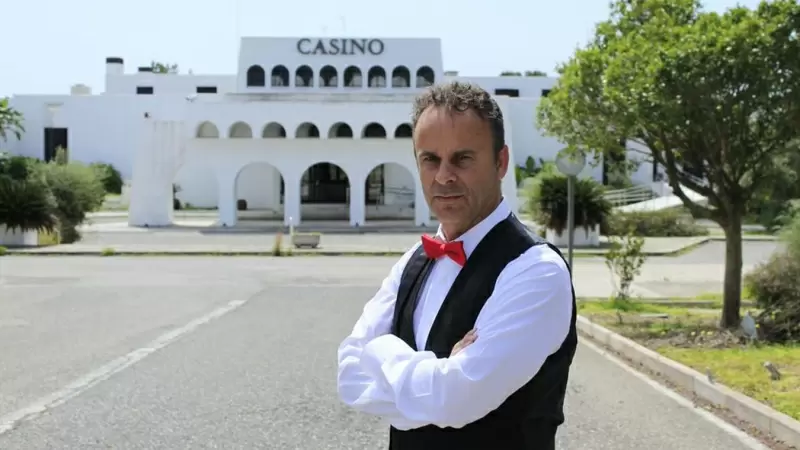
x: 10, y: 121
x: 717, y: 93
x: 163, y: 68
x: 527, y: 73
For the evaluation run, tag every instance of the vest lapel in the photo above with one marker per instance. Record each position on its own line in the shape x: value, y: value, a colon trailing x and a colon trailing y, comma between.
x: 413, y: 280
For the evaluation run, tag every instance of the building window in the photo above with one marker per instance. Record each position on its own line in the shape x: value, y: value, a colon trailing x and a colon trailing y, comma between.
x: 508, y: 92
x: 144, y: 90
x: 545, y: 92
x: 206, y: 89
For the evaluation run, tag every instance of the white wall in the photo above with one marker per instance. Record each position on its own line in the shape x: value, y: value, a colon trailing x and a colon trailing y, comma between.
x: 105, y: 128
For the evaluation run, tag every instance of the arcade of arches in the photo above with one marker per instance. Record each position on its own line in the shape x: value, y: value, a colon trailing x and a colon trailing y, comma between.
x: 325, y: 191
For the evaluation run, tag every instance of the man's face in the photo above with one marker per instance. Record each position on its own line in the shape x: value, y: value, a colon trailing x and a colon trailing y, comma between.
x: 459, y: 171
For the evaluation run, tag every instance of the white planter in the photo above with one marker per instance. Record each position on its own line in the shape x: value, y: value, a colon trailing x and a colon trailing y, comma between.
x: 582, y: 237
x: 18, y: 238
x: 300, y: 240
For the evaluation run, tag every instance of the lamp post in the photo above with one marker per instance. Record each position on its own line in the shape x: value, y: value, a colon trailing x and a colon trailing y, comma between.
x: 570, y: 164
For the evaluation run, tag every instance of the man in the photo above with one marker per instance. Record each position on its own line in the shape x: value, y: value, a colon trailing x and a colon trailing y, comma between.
x: 469, y: 340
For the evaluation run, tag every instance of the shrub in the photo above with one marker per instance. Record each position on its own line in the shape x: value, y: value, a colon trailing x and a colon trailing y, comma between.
x: 77, y: 191
x: 17, y: 167
x: 625, y: 259
x: 109, y: 176
x: 27, y: 205
x: 546, y: 198
x: 775, y: 286
x: 673, y: 222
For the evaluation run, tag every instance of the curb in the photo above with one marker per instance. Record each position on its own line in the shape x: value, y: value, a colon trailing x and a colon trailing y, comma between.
x: 257, y: 253
x: 766, y: 419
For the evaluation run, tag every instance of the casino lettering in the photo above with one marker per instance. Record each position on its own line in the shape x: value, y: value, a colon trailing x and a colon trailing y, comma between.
x: 308, y: 46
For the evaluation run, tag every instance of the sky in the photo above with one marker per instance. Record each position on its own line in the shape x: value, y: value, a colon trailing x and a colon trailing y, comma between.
x: 52, y: 44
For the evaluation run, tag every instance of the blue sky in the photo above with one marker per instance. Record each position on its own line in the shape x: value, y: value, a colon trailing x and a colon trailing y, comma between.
x: 52, y: 44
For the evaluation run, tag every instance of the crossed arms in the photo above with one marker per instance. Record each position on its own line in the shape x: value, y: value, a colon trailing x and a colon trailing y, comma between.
x: 524, y: 321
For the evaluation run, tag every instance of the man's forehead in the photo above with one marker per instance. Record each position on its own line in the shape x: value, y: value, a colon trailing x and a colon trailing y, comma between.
x: 441, y: 115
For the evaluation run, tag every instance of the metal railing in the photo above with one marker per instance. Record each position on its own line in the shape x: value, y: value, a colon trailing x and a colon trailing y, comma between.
x: 627, y: 196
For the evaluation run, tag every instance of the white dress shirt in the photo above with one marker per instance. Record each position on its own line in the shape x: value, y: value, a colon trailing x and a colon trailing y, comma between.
x: 524, y: 321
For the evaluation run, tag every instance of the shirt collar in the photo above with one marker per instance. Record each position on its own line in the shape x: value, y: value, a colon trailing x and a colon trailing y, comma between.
x: 474, y: 235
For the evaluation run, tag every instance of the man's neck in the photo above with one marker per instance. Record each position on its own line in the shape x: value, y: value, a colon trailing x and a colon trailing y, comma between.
x: 451, y: 234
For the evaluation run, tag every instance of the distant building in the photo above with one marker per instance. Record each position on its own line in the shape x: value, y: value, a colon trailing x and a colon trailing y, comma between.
x: 319, y: 125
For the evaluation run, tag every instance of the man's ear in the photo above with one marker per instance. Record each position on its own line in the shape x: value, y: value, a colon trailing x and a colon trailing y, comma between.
x: 502, y: 162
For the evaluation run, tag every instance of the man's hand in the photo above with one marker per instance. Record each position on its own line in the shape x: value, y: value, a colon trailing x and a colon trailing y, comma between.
x: 468, y: 339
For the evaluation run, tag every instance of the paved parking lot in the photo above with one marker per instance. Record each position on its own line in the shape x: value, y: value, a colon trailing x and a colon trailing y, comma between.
x: 239, y: 353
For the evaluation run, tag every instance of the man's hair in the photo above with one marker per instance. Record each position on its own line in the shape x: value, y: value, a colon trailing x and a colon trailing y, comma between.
x: 461, y: 96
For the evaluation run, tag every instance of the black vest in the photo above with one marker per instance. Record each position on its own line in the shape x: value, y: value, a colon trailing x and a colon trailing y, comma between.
x: 528, y: 419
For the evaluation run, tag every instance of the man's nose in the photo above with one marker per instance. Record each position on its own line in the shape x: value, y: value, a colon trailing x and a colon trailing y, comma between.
x: 445, y: 174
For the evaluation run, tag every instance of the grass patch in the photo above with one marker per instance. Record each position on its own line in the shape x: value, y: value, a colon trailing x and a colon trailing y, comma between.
x: 691, y: 336
x: 48, y: 238
x: 743, y: 369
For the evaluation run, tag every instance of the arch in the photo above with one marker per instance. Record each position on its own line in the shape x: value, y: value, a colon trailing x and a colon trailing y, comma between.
x: 328, y: 77
x: 256, y: 76
x: 207, y: 130
x: 304, y: 77
x: 352, y: 77
x: 403, y: 131
x: 325, y: 192
x: 389, y: 192
x: 425, y: 77
x: 376, y: 77
x: 401, y: 77
x: 259, y: 190
x: 279, y: 76
x: 273, y: 130
x: 240, y: 130
x: 340, y: 130
x: 373, y: 130
x: 307, y: 130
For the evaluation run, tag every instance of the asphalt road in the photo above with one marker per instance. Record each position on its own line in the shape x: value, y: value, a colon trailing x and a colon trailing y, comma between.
x: 122, y: 353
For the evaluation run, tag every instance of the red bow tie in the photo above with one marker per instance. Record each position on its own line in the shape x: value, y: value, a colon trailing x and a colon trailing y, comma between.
x: 435, y: 249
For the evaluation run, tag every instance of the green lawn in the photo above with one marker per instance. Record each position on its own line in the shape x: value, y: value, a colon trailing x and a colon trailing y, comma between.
x: 691, y: 336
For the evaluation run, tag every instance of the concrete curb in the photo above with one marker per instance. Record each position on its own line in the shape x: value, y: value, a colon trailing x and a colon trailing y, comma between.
x: 295, y: 253
x: 764, y: 418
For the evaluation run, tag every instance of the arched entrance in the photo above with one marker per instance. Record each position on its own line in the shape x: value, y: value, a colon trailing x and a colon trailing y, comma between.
x: 259, y: 192
x: 325, y: 193
x: 389, y: 193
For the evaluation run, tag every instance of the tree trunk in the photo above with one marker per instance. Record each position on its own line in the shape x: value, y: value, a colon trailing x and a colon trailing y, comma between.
x: 732, y: 285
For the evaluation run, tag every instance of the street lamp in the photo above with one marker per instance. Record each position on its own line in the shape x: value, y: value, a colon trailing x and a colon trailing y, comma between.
x: 570, y: 164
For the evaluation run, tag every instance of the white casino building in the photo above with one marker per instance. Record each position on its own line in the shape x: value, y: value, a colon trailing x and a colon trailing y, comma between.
x: 307, y: 129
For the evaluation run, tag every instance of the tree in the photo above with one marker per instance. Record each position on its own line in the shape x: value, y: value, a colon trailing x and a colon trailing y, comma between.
x: 10, y: 120
x: 717, y: 93
x: 527, y: 73
x: 163, y: 68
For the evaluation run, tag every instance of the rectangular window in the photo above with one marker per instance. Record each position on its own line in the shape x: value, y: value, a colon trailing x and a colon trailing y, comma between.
x: 144, y: 90
x: 545, y: 92
x: 508, y: 92
x: 206, y: 89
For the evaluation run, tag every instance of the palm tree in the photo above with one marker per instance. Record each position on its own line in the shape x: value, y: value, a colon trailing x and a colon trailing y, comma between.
x: 27, y: 205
